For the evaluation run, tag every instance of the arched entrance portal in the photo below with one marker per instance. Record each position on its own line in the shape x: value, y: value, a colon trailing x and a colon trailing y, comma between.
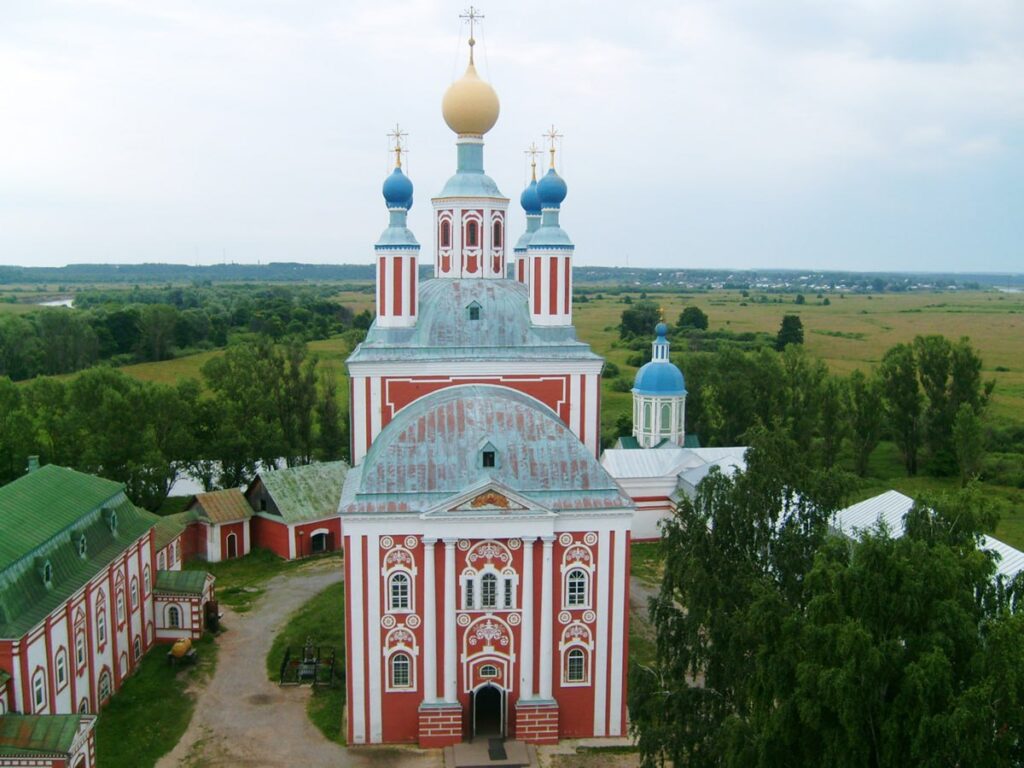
x: 488, y: 711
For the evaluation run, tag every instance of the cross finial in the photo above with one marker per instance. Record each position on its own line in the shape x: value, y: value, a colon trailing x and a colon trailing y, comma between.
x: 552, y: 136
x: 533, y: 151
x: 396, y: 136
x: 661, y: 313
x: 472, y: 15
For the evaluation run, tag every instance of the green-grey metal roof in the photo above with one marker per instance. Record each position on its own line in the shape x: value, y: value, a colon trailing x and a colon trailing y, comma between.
x: 169, y: 527
x: 27, y: 735
x: 186, y: 582
x: 80, y: 505
x: 431, y: 450
x: 443, y: 330
x: 307, y: 492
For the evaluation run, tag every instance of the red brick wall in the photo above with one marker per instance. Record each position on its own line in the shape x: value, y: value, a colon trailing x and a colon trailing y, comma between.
x: 537, y: 723
x: 269, y: 534
x: 439, y: 725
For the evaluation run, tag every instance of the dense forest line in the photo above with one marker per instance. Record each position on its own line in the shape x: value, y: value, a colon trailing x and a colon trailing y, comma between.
x: 151, y: 324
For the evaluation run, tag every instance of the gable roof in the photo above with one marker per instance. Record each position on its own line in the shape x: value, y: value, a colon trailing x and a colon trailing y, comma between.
x: 82, y: 508
x: 306, y: 492
x: 170, y: 527
x: 226, y: 506
x: 185, y: 582
x: 26, y: 735
x: 37, y: 506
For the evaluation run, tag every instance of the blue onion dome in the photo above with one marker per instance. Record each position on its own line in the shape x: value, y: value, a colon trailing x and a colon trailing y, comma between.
x: 660, y: 330
x: 659, y: 377
x: 530, y: 200
x: 551, y: 190
x: 397, y: 190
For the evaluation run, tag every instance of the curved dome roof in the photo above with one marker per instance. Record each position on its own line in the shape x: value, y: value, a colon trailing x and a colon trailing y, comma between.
x: 659, y: 377
x: 397, y: 190
x: 428, y: 452
x: 530, y: 200
x: 470, y: 105
x: 551, y: 189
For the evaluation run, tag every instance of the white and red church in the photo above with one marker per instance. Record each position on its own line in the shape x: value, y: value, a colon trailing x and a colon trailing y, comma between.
x: 487, y: 549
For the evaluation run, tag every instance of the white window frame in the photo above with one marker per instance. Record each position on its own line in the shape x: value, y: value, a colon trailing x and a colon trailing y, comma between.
x: 580, y: 653
x: 489, y: 602
x: 80, y: 647
x: 38, y: 691
x: 174, y: 616
x: 571, y: 599
x: 60, y: 668
x: 404, y: 605
x: 392, y: 660
x: 135, y: 593
x: 101, y: 626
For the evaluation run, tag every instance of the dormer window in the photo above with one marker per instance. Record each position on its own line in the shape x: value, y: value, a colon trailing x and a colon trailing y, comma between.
x: 110, y: 516
x: 45, y: 570
x: 488, y: 458
x: 81, y: 547
x: 474, y: 311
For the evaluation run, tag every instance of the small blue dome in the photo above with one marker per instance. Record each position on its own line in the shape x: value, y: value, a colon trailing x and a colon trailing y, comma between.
x: 660, y: 330
x: 530, y: 199
x: 551, y: 190
x: 397, y: 190
x: 660, y: 377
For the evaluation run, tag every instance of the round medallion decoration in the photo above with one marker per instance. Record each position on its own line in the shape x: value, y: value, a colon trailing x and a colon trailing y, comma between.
x: 514, y: 543
x: 463, y: 544
x: 564, y: 617
x: 590, y: 539
x: 411, y: 542
x: 565, y: 539
x: 513, y: 619
x: 589, y: 617
x: 412, y: 621
x: 387, y: 621
x: 386, y: 542
x: 463, y: 620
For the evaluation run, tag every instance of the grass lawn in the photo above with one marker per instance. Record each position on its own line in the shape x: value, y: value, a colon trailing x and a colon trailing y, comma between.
x: 646, y: 562
x: 323, y: 620
x: 240, y: 582
x: 148, y: 716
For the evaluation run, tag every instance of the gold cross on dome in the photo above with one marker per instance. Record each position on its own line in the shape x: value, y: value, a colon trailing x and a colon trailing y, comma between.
x: 396, y: 136
x: 472, y: 15
x: 552, y: 136
x: 533, y: 151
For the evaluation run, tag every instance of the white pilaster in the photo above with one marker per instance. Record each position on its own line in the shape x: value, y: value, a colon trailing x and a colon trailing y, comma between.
x: 526, y: 628
x: 618, y: 630
x: 246, y: 542
x: 429, y: 622
x: 546, y: 618
x: 356, y: 613
x: 450, y: 682
x: 373, y: 650
x: 601, y: 656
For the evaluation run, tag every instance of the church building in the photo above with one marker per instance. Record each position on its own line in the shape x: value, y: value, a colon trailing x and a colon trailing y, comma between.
x: 487, y: 549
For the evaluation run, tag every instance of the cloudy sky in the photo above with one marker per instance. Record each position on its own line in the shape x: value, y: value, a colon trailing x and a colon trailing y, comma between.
x: 862, y: 134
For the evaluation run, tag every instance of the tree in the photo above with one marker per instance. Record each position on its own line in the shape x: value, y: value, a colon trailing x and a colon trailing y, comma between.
x: 866, y: 418
x: 693, y: 317
x: 968, y: 442
x: 639, y: 320
x: 791, y: 331
x: 902, y: 394
x: 332, y: 440
x: 157, y: 324
x: 803, y: 383
x: 834, y: 423
x: 15, y: 431
x: 800, y: 299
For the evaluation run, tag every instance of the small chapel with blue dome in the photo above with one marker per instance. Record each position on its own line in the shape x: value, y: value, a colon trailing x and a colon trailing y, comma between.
x: 486, y: 547
x: 659, y: 397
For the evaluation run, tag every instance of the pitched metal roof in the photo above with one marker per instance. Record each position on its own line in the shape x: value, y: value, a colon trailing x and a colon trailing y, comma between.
x: 891, y: 507
x: 37, y: 506
x: 307, y: 492
x: 26, y: 735
x: 82, y: 510
x: 432, y: 449
x: 670, y: 460
x: 443, y: 330
x: 186, y: 582
x: 226, y: 506
x: 169, y: 527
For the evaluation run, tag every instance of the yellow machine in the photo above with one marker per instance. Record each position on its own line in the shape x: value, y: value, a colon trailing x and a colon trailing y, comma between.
x: 181, y: 647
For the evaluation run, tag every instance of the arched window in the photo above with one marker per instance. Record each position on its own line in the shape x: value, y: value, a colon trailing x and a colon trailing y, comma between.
x: 576, y: 588
x: 80, y: 648
x: 666, y: 419
x: 446, y: 234
x: 83, y: 706
x: 472, y: 235
x: 61, y: 668
x: 38, y: 691
x: 398, y: 592
x: 135, y: 593
x: 174, y: 617
x: 401, y: 670
x: 488, y: 670
x: 120, y: 606
x: 145, y: 580
x: 104, y: 685
x: 576, y: 666
x: 489, y: 591
x: 496, y: 233
x: 101, y: 626
x: 137, y: 647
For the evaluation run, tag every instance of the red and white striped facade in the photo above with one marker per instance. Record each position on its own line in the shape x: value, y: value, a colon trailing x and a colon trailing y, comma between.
x: 398, y: 284
x: 78, y: 656
x: 469, y: 237
x: 458, y: 644
x: 549, y: 278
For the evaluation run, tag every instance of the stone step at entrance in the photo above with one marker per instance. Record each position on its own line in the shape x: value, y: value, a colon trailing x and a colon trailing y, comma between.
x: 491, y: 753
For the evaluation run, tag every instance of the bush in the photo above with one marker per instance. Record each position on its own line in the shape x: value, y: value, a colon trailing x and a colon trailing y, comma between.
x: 621, y: 384
x: 610, y: 371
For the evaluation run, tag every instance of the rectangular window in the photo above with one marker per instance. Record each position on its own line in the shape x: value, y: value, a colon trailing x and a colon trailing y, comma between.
x: 489, y: 591
x: 80, y: 649
x: 508, y: 593
x: 488, y: 458
x: 469, y: 595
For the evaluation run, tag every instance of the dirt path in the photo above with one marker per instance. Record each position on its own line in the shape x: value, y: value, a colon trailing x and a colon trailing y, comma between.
x: 242, y: 719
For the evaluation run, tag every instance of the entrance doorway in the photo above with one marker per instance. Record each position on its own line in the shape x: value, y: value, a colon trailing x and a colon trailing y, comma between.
x: 318, y: 542
x: 489, y: 711
x: 232, y: 546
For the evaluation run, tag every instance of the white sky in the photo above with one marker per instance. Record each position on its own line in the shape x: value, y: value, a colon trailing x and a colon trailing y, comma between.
x: 864, y: 134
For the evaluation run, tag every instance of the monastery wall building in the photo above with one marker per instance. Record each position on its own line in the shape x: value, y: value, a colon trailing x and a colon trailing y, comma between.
x: 487, y: 550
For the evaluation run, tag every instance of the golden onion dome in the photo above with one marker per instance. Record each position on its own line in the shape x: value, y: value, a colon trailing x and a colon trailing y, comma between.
x: 470, y: 105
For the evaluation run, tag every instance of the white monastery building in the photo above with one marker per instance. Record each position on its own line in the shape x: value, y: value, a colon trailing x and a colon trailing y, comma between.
x: 487, y: 549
